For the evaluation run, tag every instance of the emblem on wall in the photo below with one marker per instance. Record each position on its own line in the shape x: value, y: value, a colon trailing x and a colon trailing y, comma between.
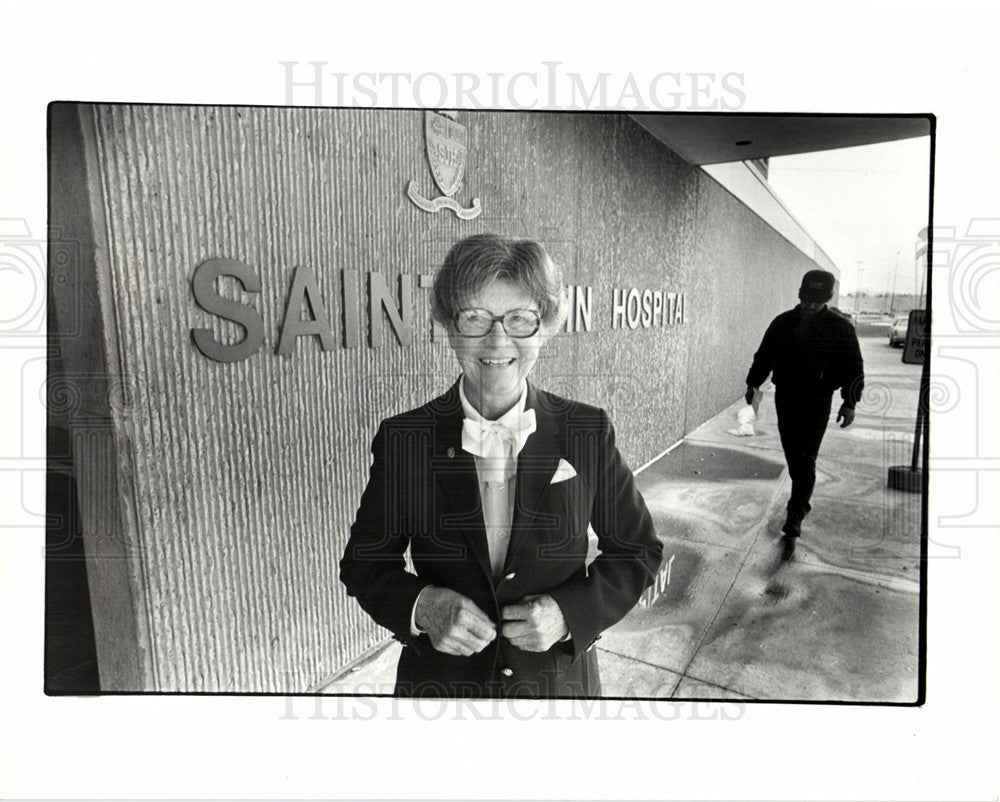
x: 447, y: 147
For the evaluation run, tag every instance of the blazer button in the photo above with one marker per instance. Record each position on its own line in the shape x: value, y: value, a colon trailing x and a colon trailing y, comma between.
x: 511, y: 575
x: 507, y: 672
x: 450, y: 452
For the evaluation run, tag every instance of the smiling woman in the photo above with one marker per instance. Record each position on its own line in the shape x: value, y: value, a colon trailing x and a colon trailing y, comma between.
x: 501, y: 302
x: 496, y: 351
x: 493, y: 487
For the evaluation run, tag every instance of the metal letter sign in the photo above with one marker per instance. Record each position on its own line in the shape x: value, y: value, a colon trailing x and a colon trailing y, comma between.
x: 447, y: 147
x: 916, y: 338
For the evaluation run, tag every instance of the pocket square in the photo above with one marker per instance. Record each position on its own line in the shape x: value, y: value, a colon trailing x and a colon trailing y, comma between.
x: 563, y: 472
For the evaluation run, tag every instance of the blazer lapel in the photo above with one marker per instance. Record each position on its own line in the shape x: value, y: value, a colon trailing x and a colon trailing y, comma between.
x: 536, y: 465
x: 455, y: 471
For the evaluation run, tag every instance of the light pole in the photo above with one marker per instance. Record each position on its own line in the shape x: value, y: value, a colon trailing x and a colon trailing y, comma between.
x: 895, y: 274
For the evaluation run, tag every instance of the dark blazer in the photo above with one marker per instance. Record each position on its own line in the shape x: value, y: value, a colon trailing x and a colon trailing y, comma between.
x: 423, y: 492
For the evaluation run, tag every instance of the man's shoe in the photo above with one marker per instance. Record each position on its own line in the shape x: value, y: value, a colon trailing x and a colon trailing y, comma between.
x: 787, y: 547
x: 793, y: 525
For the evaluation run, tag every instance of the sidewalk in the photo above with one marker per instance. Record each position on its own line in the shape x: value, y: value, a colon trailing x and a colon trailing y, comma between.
x: 838, y: 622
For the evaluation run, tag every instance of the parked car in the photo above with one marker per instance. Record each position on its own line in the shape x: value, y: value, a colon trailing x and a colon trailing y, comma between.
x: 897, y: 334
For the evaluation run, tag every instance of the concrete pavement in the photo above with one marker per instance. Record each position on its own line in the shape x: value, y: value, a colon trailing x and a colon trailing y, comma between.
x: 837, y: 622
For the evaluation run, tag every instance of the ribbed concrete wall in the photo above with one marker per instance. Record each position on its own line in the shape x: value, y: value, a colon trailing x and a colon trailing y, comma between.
x: 743, y: 274
x: 240, y: 480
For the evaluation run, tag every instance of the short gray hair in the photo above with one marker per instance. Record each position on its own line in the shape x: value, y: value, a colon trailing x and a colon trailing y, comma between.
x: 476, y: 261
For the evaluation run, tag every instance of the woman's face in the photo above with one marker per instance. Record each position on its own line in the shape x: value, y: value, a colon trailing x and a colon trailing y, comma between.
x: 496, y: 364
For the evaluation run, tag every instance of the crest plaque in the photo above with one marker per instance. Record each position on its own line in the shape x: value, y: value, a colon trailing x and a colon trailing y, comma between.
x: 447, y: 149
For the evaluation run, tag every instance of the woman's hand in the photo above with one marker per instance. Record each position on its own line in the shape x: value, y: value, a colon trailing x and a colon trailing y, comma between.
x: 534, y: 623
x: 453, y: 622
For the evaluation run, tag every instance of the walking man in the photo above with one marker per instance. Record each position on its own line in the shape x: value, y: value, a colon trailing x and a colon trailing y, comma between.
x: 810, y: 352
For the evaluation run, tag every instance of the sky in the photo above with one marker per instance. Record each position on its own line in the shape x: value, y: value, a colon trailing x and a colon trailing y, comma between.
x: 862, y: 205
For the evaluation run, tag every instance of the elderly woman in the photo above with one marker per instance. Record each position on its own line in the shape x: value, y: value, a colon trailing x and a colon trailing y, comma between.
x: 492, y: 486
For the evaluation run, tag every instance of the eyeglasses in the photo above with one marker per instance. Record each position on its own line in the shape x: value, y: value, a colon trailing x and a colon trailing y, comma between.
x: 518, y: 323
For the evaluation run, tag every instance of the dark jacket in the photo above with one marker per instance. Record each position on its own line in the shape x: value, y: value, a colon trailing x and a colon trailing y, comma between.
x: 423, y: 492
x: 825, y: 356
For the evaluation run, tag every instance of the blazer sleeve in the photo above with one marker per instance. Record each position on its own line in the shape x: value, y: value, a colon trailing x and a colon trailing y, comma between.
x: 373, y: 568
x: 630, y: 550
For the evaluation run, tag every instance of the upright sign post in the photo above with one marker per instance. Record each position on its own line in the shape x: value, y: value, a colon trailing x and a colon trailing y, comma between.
x: 902, y: 477
x: 916, y: 338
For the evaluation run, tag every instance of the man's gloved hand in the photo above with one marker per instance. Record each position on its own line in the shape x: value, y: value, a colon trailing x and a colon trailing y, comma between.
x: 749, y: 394
x: 846, y: 415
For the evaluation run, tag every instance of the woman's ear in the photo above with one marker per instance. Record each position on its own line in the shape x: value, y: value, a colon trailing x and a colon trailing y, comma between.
x: 546, y: 332
x: 560, y: 317
x: 454, y: 338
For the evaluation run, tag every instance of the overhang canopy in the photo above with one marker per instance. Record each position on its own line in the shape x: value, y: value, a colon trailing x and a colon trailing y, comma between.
x: 717, y: 138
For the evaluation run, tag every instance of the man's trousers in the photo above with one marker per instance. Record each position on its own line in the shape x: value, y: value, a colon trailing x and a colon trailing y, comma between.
x: 802, y: 420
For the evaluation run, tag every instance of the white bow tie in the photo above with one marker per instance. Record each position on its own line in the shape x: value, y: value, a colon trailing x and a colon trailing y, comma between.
x: 497, y: 443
